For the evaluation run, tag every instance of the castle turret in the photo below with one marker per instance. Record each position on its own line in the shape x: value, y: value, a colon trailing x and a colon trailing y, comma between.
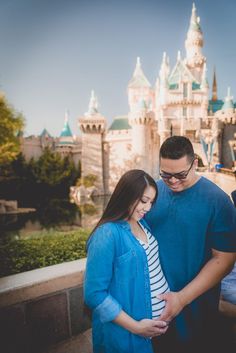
x: 66, y: 137
x: 93, y: 126
x: 164, y: 86
x: 65, y: 142
x: 141, y: 120
x: 193, y: 44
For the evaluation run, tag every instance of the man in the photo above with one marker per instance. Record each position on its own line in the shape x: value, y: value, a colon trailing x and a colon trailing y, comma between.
x: 195, y: 224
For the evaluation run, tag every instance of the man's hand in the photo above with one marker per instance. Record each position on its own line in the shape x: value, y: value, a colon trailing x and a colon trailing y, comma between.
x: 174, y: 304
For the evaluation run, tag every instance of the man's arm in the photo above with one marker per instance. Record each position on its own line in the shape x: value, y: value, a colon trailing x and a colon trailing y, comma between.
x: 212, y: 273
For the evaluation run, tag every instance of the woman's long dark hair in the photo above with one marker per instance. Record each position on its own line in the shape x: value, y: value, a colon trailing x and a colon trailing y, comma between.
x: 128, y: 191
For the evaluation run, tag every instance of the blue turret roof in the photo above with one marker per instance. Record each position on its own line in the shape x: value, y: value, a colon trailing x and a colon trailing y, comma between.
x: 66, y: 130
x: 215, y: 105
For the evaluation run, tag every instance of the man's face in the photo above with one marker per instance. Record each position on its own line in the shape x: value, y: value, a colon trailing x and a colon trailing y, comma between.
x: 178, y: 174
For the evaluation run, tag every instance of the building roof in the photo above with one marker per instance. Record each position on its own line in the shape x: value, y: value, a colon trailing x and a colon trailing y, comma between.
x: 120, y: 123
x: 45, y: 133
x: 215, y: 105
x: 180, y: 70
x: 228, y: 104
x: 66, y: 131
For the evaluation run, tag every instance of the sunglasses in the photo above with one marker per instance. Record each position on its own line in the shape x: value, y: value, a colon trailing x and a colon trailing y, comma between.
x: 180, y: 176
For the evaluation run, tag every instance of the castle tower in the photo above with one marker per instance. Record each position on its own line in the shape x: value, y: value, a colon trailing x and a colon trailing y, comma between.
x: 205, y: 89
x: 193, y: 45
x: 92, y: 126
x: 139, y: 88
x: 214, y: 88
x: 141, y: 120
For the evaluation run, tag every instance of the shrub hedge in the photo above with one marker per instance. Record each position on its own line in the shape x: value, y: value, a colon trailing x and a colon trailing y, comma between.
x: 40, y: 250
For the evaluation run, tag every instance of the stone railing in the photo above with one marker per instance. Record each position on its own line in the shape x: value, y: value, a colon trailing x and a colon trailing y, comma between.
x: 225, y: 181
x: 43, y: 308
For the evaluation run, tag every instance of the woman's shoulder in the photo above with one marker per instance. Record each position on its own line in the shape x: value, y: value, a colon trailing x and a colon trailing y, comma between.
x: 109, y: 228
x: 103, y: 234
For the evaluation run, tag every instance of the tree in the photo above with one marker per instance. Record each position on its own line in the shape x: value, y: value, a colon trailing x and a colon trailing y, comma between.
x: 52, y: 169
x: 11, y: 124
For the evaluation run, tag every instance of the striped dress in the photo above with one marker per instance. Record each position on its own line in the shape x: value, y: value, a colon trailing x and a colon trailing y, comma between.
x: 158, y: 283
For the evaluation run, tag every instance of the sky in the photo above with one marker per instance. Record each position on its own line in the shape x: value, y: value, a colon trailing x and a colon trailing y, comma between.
x: 54, y: 52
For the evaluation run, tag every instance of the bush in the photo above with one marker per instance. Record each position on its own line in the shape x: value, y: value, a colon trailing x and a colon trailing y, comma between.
x: 41, y: 250
x: 87, y: 181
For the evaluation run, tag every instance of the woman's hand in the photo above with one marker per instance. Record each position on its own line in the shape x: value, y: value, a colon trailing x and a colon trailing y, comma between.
x: 150, y: 328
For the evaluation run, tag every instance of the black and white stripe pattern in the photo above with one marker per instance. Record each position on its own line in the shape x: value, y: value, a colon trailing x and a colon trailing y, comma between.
x: 158, y: 283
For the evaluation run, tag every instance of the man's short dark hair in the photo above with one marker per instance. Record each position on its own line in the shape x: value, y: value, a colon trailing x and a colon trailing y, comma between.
x: 176, y: 147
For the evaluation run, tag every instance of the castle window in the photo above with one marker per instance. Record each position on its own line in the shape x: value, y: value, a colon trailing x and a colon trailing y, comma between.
x: 185, y: 111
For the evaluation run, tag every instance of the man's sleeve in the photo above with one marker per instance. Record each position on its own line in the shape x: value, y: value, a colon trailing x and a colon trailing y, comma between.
x: 223, y: 226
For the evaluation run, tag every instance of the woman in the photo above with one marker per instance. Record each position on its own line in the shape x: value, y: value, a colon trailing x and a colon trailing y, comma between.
x: 123, y: 275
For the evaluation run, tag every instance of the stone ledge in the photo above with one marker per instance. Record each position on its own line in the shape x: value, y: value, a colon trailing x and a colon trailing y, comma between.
x: 79, y: 343
x: 33, y: 284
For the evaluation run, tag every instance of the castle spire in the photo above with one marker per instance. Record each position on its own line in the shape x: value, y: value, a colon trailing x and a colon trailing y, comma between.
x: 66, y: 131
x: 214, y: 87
x: 179, y: 56
x: 93, y: 104
x: 165, y: 68
x: 194, y: 42
x: 228, y: 104
x: 138, y: 79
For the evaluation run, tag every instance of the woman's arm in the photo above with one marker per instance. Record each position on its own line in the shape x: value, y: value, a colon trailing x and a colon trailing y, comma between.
x: 146, y: 327
x: 98, y: 276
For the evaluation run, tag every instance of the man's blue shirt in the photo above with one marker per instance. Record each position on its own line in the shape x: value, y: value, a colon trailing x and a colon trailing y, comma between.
x: 188, y: 225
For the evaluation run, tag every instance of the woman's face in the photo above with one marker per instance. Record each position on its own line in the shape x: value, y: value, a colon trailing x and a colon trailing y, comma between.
x: 144, y: 204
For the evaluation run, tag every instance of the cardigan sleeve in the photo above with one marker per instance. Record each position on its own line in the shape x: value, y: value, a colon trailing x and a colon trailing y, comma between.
x: 99, y: 272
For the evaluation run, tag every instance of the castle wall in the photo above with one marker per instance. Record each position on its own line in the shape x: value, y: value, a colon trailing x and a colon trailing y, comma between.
x: 120, y: 155
x: 92, y: 157
x: 31, y: 148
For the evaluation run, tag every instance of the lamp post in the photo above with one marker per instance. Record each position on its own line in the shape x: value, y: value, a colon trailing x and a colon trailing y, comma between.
x: 208, y: 138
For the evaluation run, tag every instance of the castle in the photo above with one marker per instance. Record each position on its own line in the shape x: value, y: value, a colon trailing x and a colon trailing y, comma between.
x: 178, y: 104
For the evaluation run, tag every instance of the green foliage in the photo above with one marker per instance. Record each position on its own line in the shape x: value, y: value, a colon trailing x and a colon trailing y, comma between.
x: 41, y: 250
x: 11, y: 124
x: 33, y: 183
x: 57, y: 211
x: 88, y: 181
x: 51, y: 168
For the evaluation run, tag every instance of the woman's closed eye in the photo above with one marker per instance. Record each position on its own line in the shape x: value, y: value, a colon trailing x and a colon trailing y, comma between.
x: 146, y: 201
